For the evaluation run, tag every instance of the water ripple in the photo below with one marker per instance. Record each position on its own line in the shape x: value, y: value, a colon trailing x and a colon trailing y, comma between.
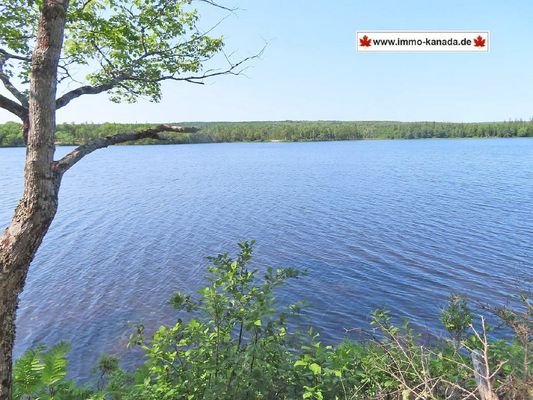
x: 393, y: 223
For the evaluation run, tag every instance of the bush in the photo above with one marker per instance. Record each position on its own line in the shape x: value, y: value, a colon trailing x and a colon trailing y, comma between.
x: 236, y: 344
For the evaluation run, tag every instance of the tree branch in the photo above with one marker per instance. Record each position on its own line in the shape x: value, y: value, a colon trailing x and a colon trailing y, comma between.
x: 232, y: 69
x: 215, y: 4
x: 13, y: 107
x: 73, y: 94
x: 12, y: 89
x: 14, y: 56
x: 4, y: 78
x: 77, y: 154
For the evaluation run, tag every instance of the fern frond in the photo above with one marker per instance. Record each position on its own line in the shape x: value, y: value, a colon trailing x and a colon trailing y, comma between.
x: 55, y: 364
x: 27, y: 372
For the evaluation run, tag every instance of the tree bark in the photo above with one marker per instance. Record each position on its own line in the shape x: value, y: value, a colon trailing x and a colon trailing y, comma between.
x: 42, y: 175
x: 482, y: 377
x: 38, y: 205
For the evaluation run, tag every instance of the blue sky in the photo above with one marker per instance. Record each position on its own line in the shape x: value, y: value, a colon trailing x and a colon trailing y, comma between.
x: 311, y: 70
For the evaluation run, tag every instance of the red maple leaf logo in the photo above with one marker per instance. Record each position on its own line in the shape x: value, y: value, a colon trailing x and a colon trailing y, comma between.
x: 479, y: 42
x: 365, y: 41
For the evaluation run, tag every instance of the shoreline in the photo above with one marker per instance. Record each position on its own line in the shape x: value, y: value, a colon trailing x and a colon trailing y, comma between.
x: 157, y: 143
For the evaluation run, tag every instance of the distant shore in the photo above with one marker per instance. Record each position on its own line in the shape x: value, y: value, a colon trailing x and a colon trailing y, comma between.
x: 283, y: 131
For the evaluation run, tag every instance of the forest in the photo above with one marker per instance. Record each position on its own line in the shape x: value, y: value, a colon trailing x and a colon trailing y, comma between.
x: 289, y: 131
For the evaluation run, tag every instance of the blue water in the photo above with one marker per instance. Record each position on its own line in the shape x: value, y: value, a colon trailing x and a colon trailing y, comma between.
x: 393, y: 223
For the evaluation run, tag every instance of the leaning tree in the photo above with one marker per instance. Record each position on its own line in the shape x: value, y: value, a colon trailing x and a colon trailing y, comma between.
x: 124, y: 48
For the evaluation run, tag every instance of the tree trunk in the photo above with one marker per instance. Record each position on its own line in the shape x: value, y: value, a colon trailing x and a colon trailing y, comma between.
x: 38, y: 204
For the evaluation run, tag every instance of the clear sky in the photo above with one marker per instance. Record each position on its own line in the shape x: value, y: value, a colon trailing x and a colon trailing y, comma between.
x: 311, y: 70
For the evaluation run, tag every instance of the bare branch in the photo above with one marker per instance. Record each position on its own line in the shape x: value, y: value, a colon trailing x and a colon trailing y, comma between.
x: 64, y: 71
x: 77, y: 154
x: 12, y: 89
x: 13, y: 107
x: 85, y: 5
x: 212, y: 3
x: 73, y: 94
x: 22, y: 98
x: 7, y: 55
x: 233, y: 69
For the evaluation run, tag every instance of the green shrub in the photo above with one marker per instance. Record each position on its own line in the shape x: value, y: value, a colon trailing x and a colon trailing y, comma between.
x: 237, y: 345
x: 234, y: 342
x: 456, y: 317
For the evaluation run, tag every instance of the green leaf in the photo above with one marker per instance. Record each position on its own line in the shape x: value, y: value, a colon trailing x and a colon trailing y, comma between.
x: 315, y: 368
x: 55, y: 364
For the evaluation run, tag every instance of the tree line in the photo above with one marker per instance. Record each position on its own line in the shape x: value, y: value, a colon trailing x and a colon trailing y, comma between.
x: 290, y: 131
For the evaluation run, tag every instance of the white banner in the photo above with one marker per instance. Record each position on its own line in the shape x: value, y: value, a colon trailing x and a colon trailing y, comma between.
x: 418, y: 41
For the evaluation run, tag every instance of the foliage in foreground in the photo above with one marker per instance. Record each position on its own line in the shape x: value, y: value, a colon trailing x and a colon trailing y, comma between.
x: 238, y: 345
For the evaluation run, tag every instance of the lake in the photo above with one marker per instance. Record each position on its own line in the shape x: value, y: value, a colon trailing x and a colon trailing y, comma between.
x: 399, y: 224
